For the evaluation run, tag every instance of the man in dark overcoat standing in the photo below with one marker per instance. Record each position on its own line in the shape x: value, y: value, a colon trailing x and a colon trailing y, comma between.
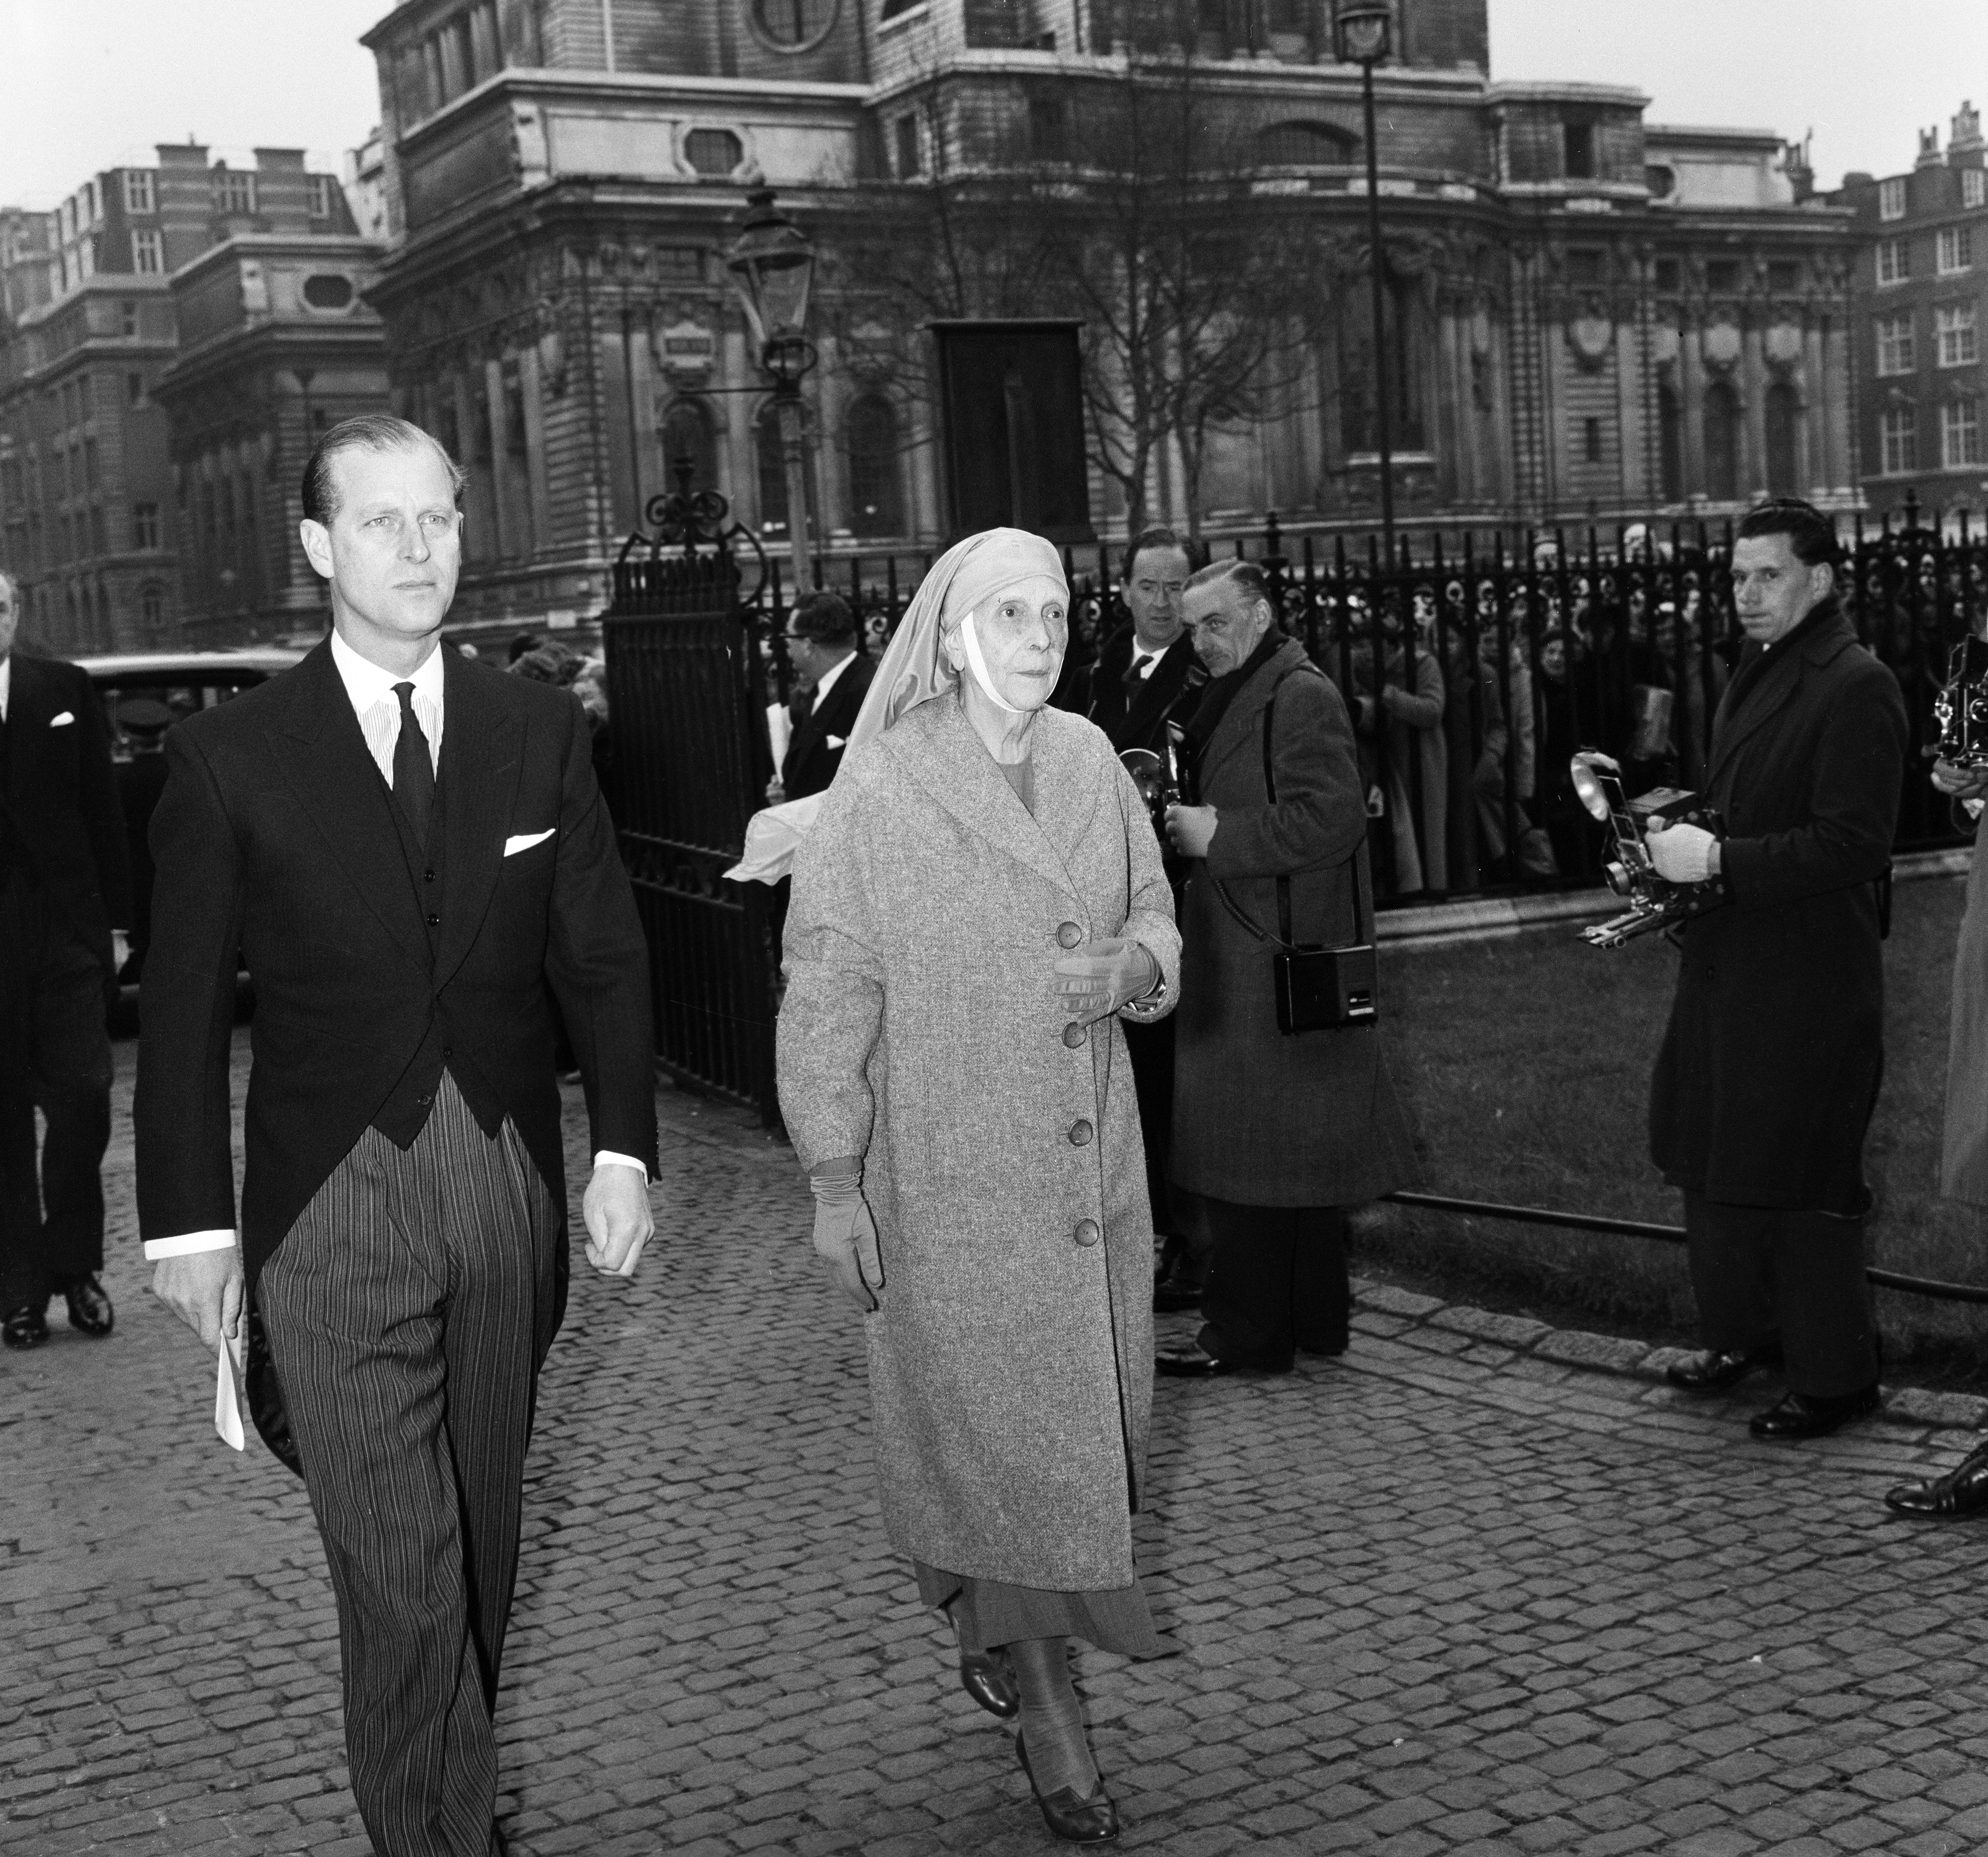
x: 1770, y: 1067
x: 821, y: 643
x: 1277, y: 1133
x: 411, y: 852
x: 65, y: 900
x: 1143, y: 679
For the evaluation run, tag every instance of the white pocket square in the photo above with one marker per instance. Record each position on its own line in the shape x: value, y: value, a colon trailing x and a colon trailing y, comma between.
x: 838, y: 741
x: 523, y: 841
x: 57, y: 721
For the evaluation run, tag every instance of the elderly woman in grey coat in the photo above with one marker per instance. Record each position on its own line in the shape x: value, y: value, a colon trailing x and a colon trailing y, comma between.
x: 980, y: 899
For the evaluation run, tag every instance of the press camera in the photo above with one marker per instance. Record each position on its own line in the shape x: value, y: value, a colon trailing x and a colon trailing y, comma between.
x: 1163, y: 778
x: 1655, y: 902
x: 1961, y: 709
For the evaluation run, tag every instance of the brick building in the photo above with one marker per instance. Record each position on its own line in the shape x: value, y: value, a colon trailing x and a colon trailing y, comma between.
x: 1922, y: 280
x: 1596, y: 313
x: 94, y: 492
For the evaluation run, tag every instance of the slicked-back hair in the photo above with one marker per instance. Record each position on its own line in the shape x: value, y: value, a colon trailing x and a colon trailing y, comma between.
x: 1811, y: 534
x: 367, y: 432
x: 1245, y: 575
x: 825, y: 618
x: 1150, y: 538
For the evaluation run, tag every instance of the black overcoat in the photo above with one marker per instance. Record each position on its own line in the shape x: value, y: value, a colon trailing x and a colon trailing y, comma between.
x: 814, y: 753
x: 1770, y: 1067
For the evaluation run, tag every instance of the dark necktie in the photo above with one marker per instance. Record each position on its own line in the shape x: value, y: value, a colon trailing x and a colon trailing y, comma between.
x: 413, y: 771
x: 1133, y: 678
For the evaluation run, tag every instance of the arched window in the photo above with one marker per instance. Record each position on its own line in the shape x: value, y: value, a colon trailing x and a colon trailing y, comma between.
x: 876, y: 505
x: 773, y: 465
x: 1306, y: 145
x: 688, y: 431
x: 1670, y: 443
x: 1783, y: 420
x: 793, y: 25
x: 1721, y: 443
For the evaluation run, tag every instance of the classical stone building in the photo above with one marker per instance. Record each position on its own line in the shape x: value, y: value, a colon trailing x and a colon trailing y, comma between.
x: 1594, y: 314
x: 101, y: 505
x: 1922, y: 282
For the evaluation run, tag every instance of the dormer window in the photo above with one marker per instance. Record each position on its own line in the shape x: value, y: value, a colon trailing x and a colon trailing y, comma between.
x: 1891, y: 198
x: 1578, y: 140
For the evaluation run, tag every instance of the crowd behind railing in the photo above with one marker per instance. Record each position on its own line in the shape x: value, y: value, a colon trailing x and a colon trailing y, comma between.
x: 1487, y: 658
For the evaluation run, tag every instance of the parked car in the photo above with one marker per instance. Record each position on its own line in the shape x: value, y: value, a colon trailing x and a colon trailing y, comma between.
x: 144, y: 693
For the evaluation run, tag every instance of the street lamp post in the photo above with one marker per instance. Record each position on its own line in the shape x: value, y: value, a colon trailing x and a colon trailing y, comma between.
x: 1364, y: 28
x: 773, y: 264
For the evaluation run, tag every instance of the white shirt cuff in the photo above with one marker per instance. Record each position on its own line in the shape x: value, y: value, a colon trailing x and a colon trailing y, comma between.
x: 186, y: 1243
x: 606, y: 1157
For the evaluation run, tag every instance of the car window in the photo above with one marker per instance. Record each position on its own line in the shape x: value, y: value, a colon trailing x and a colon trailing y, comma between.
x: 180, y: 698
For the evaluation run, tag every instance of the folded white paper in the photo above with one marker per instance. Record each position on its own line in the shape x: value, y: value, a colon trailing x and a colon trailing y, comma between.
x: 772, y: 835
x: 523, y: 841
x: 227, y: 1401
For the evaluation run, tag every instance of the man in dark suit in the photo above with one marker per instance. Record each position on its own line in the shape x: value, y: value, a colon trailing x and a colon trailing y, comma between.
x: 411, y: 852
x: 833, y: 677
x: 1769, y: 1067
x: 65, y: 901
x: 1140, y: 681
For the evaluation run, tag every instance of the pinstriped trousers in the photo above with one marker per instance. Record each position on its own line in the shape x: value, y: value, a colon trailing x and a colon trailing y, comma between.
x: 409, y: 1310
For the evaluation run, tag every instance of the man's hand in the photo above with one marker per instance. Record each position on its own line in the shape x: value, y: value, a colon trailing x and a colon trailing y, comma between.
x: 120, y: 951
x: 1960, y: 783
x: 776, y: 794
x: 1191, y: 829
x: 1684, y: 854
x: 204, y: 1289
x: 619, y: 1221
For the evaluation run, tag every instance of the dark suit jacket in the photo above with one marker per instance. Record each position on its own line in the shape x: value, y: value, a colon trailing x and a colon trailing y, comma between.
x: 1137, y: 719
x: 274, y: 834
x: 1770, y: 1066
x: 62, y: 792
x: 810, y: 762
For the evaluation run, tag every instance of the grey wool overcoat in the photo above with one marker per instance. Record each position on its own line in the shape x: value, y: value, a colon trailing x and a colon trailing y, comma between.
x: 1011, y: 1364
x: 1262, y: 1118
x: 1964, y: 1173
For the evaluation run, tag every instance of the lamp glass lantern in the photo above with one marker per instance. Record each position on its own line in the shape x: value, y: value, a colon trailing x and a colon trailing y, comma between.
x: 773, y: 264
x: 1364, y: 30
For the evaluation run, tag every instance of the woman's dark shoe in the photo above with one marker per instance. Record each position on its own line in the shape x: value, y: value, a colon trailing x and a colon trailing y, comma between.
x: 26, y: 1327
x: 1713, y: 1371
x: 1963, y: 1491
x: 90, y: 1309
x: 986, y: 1679
x: 1804, y: 1415
x: 1075, y: 1820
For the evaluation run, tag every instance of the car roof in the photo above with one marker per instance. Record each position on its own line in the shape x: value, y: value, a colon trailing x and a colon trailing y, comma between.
x: 189, y: 666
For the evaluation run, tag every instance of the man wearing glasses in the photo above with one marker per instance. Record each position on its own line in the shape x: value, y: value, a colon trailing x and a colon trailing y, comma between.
x: 831, y: 677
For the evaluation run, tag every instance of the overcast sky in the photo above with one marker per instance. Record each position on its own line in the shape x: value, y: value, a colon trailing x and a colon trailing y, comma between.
x: 89, y: 84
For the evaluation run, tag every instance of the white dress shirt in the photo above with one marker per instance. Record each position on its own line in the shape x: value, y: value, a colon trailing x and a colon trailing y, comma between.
x: 825, y: 682
x: 1143, y: 661
x: 370, y: 691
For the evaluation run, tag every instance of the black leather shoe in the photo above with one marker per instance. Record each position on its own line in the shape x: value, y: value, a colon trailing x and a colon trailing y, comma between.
x: 986, y: 1680
x: 90, y: 1309
x: 1963, y: 1491
x: 1803, y: 1416
x: 1171, y: 1296
x: 26, y: 1327
x: 1712, y: 1371
x: 1192, y: 1363
x: 1069, y: 1817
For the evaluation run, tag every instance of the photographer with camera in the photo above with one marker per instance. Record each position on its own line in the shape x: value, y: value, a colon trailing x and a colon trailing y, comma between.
x: 1278, y: 1127
x: 1769, y: 1067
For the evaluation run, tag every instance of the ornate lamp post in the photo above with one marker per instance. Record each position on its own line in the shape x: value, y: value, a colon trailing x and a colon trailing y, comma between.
x: 1364, y: 28
x: 773, y: 264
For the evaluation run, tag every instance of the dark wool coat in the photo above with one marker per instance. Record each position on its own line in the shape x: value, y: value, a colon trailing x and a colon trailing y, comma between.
x: 1011, y: 1365
x: 1260, y: 1117
x: 1770, y: 1067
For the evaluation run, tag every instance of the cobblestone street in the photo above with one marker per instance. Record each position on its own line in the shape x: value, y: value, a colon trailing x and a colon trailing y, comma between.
x: 1479, y: 1587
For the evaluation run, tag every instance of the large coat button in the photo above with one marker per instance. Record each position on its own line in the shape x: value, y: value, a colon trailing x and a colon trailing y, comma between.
x: 1068, y: 935
x: 1073, y: 1035
x: 1081, y: 1133
x: 1087, y: 1233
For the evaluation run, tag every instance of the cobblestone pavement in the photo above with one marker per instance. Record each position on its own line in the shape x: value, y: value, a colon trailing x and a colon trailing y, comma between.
x: 1478, y: 1587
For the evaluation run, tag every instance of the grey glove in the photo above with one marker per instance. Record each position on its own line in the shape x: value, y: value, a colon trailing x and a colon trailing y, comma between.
x: 845, y: 1234
x: 1099, y: 978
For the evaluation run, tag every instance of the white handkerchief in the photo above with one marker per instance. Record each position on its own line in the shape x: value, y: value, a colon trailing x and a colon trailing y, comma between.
x: 838, y: 741
x: 57, y: 721
x: 227, y: 1403
x: 523, y: 841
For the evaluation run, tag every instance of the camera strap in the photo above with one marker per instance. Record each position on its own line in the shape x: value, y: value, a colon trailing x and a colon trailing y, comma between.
x: 1362, y: 906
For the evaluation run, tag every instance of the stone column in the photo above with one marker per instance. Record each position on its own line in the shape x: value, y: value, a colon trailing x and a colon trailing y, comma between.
x: 1691, y: 390
x: 1817, y: 418
x: 1753, y: 409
